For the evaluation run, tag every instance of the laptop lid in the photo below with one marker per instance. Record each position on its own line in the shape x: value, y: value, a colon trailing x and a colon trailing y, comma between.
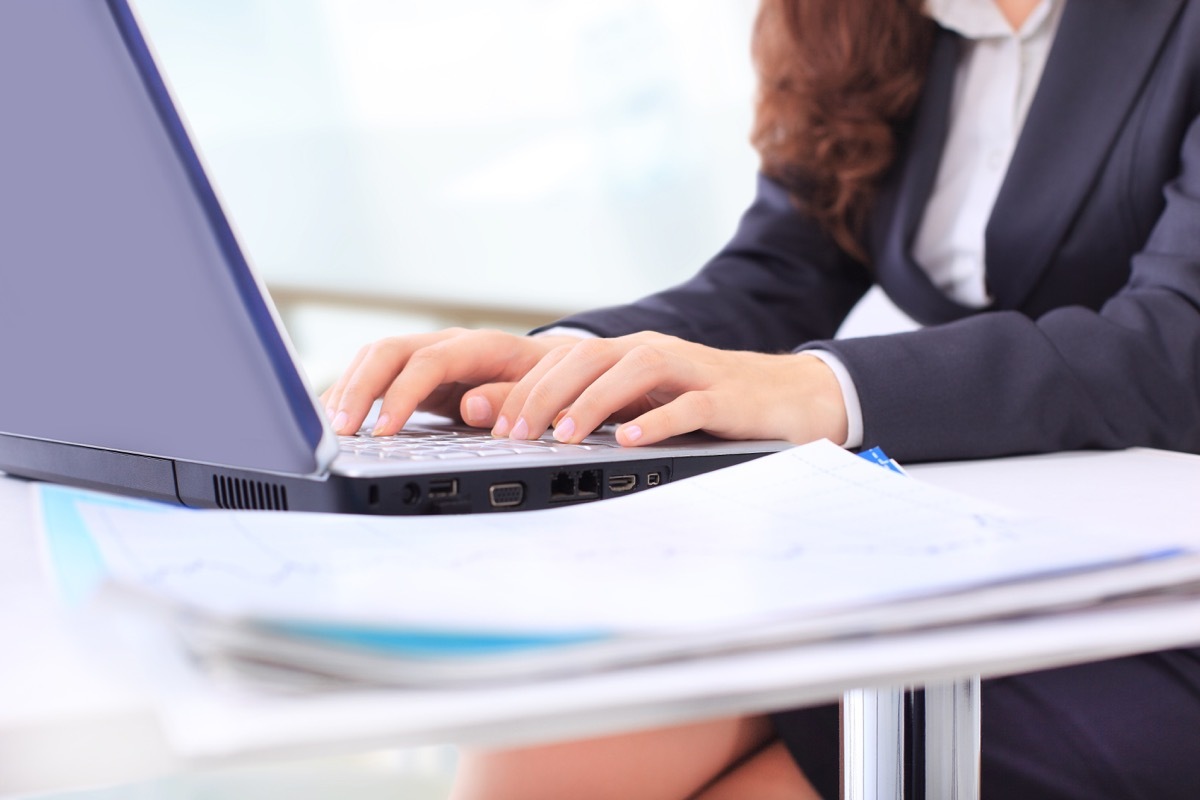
x: 129, y: 319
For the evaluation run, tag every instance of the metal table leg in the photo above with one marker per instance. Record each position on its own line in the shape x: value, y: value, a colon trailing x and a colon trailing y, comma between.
x: 873, y: 744
x: 952, y: 727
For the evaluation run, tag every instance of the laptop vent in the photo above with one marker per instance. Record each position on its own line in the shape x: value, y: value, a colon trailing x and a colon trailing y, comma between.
x: 239, y: 493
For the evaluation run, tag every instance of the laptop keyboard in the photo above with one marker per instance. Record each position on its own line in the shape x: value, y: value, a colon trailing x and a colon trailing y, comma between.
x: 425, y: 445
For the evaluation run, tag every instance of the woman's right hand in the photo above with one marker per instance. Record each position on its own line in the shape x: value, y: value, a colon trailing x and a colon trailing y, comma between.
x: 458, y: 373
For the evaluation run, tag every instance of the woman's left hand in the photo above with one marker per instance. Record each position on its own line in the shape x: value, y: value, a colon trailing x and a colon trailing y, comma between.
x: 660, y: 386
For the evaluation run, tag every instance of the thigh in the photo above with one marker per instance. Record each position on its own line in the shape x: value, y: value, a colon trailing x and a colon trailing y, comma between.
x: 769, y: 774
x: 666, y: 764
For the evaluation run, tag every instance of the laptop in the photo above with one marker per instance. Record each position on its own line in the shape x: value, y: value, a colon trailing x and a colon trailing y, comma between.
x: 141, y: 354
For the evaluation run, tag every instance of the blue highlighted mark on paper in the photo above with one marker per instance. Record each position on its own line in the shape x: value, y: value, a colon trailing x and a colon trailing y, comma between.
x: 876, y: 456
x: 76, y: 560
x: 414, y: 643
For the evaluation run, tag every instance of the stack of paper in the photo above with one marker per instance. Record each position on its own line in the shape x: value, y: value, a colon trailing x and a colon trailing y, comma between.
x: 809, y: 544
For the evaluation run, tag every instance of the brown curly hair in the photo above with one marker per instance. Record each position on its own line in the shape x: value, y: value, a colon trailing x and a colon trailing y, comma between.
x: 834, y: 79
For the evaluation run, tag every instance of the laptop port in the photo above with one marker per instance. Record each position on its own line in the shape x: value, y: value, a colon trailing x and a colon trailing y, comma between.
x: 589, y: 483
x: 654, y: 479
x: 621, y: 483
x: 585, y: 485
x: 446, y: 488
x: 506, y: 495
x: 562, y: 486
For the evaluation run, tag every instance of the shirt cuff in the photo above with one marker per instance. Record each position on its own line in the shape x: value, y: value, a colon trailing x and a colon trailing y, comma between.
x: 567, y: 330
x: 854, y: 418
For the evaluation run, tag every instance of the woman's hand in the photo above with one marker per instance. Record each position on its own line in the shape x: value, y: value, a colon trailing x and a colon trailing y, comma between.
x: 455, y: 372
x: 660, y: 386
x: 657, y: 385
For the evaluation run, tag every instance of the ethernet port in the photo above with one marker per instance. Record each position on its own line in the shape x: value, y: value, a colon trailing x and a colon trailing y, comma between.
x: 562, y: 486
x: 589, y: 483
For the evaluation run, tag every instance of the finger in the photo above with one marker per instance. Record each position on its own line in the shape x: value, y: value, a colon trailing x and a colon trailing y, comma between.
x: 478, y: 407
x: 477, y: 357
x: 444, y: 400
x: 372, y: 371
x: 553, y: 384
x: 639, y: 406
x: 690, y: 411
x: 380, y: 364
x: 632, y: 384
x: 474, y: 405
x: 332, y: 397
x: 509, y: 421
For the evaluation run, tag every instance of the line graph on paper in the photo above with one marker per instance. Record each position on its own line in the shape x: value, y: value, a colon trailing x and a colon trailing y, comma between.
x: 835, y: 532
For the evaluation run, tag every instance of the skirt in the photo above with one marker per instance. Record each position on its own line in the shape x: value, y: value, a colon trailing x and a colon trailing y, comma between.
x: 1124, y: 728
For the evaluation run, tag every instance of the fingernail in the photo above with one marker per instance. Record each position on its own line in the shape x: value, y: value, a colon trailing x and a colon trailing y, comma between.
x: 565, y: 429
x: 631, y: 433
x: 329, y: 410
x: 501, y: 428
x: 520, y: 430
x: 381, y: 424
x: 478, y: 409
x: 340, y: 421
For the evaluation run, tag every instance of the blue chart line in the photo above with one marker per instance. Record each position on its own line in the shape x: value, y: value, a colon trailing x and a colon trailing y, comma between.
x: 161, y: 576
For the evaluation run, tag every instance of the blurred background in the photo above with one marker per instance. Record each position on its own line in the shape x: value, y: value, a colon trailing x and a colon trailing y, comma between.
x: 399, y: 165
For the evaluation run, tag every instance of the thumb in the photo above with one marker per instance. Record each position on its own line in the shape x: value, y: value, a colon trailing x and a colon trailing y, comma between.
x: 479, y: 406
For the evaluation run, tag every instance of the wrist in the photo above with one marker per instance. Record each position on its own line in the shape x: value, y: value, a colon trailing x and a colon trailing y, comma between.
x: 850, y: 401
x: 816, y: 399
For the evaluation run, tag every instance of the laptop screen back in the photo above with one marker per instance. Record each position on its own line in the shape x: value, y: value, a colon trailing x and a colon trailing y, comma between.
x: 128, y: 318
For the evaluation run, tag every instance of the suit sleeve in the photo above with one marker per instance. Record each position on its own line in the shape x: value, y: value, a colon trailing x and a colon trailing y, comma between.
x: 779, y: 283
x: 1002, y: 383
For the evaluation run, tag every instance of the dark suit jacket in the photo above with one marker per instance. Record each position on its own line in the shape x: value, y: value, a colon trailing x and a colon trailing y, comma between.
x: 1092, y: 250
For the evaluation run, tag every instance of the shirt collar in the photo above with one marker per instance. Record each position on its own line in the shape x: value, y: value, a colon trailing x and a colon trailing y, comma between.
x: 981, y: 19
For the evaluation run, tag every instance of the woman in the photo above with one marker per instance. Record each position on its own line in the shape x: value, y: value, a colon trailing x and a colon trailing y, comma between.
x: 1022, y: 177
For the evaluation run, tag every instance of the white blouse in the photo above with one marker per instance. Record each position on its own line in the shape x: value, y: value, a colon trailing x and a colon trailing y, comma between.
x: 997, y: 76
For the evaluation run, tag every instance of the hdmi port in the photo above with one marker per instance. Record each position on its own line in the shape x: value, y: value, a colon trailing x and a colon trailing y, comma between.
x: 621, y: 483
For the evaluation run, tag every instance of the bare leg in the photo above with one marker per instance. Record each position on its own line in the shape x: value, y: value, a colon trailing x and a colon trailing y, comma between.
x: 769, y: 774
x: 663, y: 764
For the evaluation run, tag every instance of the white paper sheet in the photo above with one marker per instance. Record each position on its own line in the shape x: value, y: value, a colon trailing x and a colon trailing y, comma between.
x: 812, y: 528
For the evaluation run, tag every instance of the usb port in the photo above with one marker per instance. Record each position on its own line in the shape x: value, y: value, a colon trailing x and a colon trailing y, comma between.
x: 621, y: 483
x: 446, y: 488
x: 506, y: 495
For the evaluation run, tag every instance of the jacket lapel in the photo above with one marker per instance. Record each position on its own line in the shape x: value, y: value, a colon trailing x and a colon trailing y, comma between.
x: 1102, y: 56
x: 897, y: 209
